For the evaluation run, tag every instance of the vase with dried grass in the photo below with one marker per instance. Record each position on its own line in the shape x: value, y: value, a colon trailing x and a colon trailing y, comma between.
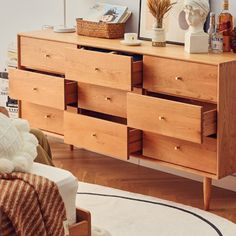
x: 159, y: 8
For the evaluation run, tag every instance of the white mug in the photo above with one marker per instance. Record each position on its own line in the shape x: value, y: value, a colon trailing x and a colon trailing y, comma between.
x: 130, y: 37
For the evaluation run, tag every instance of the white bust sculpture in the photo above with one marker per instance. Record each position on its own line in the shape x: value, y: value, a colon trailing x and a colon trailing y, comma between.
x: 196, y: 11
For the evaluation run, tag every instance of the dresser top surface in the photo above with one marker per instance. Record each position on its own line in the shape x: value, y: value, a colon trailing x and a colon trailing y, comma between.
x: 170, y: 51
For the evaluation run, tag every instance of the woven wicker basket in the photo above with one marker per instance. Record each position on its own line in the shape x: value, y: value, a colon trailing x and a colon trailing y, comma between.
x: 100, y: 29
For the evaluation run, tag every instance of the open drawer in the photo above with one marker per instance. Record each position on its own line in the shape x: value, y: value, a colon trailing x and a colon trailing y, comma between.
x: 101, y: 136
x: 102, y: 99
x: 186, y: 121
x: 104, y: 69
x: 42, y: 89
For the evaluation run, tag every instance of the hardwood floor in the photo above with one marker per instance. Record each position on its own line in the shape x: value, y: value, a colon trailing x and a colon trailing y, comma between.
x: 98, y: 169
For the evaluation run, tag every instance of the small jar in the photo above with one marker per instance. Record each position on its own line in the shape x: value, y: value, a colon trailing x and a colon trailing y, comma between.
x: 233, y: 40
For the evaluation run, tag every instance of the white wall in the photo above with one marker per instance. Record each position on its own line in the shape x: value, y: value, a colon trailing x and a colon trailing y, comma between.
x: 25, y: 15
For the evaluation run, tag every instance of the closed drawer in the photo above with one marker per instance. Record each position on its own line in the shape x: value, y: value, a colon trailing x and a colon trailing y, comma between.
x: 171, y: 118
x: 104, y: 69
x: 102, y: 99
x: 42, y: 117
x: 43, y: 55
x: 180, y: 78
x: 201, y: 157
x: 105, y: 137
x: 42, y: 89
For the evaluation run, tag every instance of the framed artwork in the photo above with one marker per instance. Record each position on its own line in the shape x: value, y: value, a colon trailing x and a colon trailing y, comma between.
x: 174, y: 23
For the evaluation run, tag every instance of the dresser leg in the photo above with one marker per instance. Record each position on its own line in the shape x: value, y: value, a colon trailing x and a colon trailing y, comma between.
x: 71, y: 147
x: 207, y: 192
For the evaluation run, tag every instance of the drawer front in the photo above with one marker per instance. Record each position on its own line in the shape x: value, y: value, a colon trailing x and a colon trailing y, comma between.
x: 43, y: 55
x: 104, y: 69
x: 180, y: 78
x: 37, y: 88
x: 201, y: 157
x: 170, y: 118
x: 97, y: 135
x: 102, y: 99
x: 42, y: 117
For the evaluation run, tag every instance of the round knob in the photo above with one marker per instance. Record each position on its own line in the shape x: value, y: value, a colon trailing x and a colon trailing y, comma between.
x: 93, y: 135
x: 178, y: 78
x: 108, y: 98
x: 47, y: 116
x: 96, y: 69
x: 34, y: 89
x: 47, y: 56
x: 161, y: 118
x: 177, y: 148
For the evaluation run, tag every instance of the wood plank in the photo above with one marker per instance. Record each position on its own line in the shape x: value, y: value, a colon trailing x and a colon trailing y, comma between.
x: 165, y: 117
x: 227, y: 119
x: 105, y: 137
x: 71, y: 92
x: 207, y: 192
x: 102, y: 99
x: 201, y: 157
x: 171, y: 51
x: 37, y: 88
x: 103, y: 69
x: 137, y: 73
x: 41, y: 117
x: 180, y: 78
x: 209, y: 122
x: 43, y: 54
x: 82, y: 227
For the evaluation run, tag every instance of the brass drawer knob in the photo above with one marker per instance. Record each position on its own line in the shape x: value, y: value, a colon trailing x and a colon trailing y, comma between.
x: 96, y: 69
x: 35, y: 89
x: 108, y: 99
x: 177, y: 148
x: 94, y: 135
x: 47, y: 55
x: 161, y: 118
x: 178, y: 78
x: 47, y: 116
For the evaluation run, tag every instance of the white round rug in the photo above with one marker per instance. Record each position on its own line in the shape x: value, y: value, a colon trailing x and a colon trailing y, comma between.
x: 123, y: 213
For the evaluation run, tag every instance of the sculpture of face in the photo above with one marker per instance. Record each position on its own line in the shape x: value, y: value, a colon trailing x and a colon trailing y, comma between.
x: 193, y: 16
x: 196, y: 12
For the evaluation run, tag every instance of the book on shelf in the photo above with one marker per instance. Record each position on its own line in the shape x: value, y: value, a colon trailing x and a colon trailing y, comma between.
x: 103, y: 12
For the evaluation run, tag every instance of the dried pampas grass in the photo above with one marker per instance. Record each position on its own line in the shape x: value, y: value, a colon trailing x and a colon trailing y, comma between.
x: 159, y: 8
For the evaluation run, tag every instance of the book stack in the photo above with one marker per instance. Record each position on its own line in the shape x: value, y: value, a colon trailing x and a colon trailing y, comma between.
x: 108, y: 13
x: 12, y: 55
x: 5, y: 101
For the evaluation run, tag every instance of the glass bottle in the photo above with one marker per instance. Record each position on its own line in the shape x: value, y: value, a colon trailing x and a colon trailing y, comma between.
x: 226, y: 25
x: 217, y: 41
x: 211, y: 29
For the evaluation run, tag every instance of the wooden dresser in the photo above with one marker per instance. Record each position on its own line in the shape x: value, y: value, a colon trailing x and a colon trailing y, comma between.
x: 143, y: 103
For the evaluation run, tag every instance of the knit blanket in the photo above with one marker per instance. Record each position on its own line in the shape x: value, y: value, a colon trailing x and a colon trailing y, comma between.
x: 30, y: 205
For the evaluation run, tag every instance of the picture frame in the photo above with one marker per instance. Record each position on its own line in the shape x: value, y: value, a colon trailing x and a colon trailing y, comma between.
x: 174, y: 23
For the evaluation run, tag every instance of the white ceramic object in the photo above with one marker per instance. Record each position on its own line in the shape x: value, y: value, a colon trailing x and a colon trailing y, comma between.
x: 196, y: 11
x: 128, y: 43
x: 130, y: 37
x: 63, y: 29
